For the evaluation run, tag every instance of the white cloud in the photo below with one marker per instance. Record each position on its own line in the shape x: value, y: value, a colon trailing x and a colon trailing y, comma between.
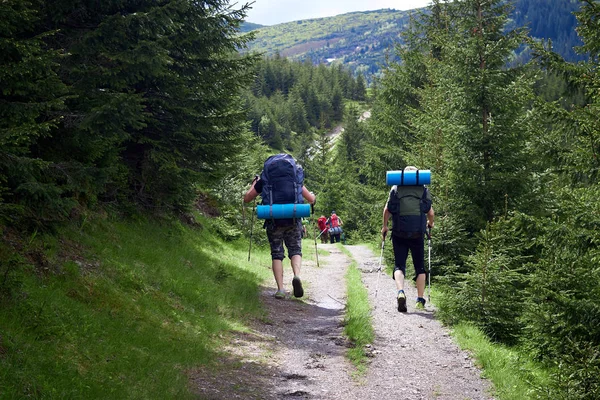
x: 271, y: 12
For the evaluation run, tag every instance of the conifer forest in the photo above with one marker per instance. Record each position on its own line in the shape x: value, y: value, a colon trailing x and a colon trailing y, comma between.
x: 147, y: 108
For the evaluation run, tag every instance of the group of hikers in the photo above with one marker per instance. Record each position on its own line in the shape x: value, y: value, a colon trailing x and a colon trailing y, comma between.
x: 330, y: 229
x: 409, y: 207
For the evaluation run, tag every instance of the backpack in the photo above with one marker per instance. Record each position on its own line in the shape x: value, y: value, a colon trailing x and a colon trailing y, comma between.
x: 335, y: 222
x: 322, y: 223
x: 409, y: 206
x: 282, y: 180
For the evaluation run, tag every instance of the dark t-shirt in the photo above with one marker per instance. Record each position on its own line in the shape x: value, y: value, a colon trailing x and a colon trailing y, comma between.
x: 258, y: 186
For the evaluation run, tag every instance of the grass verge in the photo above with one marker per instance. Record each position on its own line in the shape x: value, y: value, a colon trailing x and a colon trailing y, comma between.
x: 514, y: 375
x: 122, y: 309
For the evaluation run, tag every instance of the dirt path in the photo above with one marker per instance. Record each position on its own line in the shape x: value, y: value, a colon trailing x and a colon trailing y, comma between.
x: 298, y: 350
x: 337, y: 130
x: 418, y: 358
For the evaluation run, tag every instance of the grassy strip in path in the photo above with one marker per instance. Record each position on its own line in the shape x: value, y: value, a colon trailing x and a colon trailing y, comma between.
x: 358, y: 325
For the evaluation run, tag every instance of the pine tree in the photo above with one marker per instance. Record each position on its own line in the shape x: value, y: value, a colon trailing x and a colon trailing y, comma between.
x: 360, y: 89
x: 488, y: 112
x: 564, y: 311
x: 31, y: 98
x: 352, y: 139
x: 491, y: 295
x: 155, y: 95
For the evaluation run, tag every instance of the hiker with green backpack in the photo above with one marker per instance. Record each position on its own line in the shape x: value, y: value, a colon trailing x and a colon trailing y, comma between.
x: 282, y: 183
x: 412, y: 213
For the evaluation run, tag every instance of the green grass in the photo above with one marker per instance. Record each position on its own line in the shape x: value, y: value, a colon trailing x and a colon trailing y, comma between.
x: 123, y: 309
x: 124, y: 314
x: 361, y: 25
x: 513, y: 374
x: 357, y: 320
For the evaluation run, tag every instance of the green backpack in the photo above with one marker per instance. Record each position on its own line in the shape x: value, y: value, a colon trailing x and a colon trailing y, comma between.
x: 409, y: 206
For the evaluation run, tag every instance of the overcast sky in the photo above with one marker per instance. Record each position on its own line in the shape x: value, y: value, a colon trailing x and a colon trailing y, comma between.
x: 271, y: 12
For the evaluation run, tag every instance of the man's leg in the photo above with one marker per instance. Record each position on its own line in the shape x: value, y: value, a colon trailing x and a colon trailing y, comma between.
x: 296, y: 264
x: 418, y: 256
x: 400, y: 256
x: 275, y: 236
x: 277, y: 266
x: 399, y: 279
x: 421, y: 285
x: 293, y: 243
x: 400, y: 296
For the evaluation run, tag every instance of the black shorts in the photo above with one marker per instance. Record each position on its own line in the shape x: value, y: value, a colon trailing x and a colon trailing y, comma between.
x: 417, y: 251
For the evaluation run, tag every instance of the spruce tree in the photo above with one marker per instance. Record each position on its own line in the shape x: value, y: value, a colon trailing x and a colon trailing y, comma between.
x: 31, y: 100
x: 488, y: 110
x: 155, y: 96
x: 491, y: 294
x: 564, y: 310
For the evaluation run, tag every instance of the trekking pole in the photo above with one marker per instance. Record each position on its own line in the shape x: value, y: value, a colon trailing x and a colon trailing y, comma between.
x: 380, y: 264
x: 251, y: 229
x: 252, y: 221
x: 243, y: 213
x: 312, y: 209
x: 319, y: 235
x: 429, y: 267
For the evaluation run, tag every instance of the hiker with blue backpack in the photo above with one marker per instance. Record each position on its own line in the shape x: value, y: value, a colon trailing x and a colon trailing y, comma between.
x: 410, y: 208
x: 281, y: 187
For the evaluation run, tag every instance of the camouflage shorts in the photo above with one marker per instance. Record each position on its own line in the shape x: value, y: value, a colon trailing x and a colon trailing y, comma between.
x: 291, y: 235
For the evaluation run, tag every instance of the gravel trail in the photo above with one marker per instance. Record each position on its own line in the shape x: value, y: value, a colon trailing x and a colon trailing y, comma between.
x: 297, y: 351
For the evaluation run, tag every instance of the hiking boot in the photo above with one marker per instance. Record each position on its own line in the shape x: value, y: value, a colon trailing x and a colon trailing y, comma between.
x: 297, y: 284
x: 420, y: 303
x: 280, y: 294
x: 401, y: 302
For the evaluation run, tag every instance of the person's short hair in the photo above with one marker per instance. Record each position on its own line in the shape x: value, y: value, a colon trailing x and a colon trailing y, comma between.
x: 411, y: 168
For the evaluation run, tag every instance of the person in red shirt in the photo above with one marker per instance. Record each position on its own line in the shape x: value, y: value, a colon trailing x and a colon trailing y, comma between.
x: 335, y: 227
x: 323, y: 229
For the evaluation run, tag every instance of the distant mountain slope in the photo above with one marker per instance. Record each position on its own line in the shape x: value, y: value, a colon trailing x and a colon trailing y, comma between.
x: 358, y: 39
x: 249, y: 26
x: 361, y: 40
x: 551, y: 19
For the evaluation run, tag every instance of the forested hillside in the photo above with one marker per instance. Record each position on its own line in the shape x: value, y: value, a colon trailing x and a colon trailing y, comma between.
x: 359, y: 40
x: 249, y: 26
x: 290, y: 102
x: 127, y: 112
x: 362, y: 40
x: 551, y: 20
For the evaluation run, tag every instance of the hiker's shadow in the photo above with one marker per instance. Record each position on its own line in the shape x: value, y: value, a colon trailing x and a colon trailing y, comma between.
x: 427, y: 314
x: 314, y: 325
x: 256, y: 362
